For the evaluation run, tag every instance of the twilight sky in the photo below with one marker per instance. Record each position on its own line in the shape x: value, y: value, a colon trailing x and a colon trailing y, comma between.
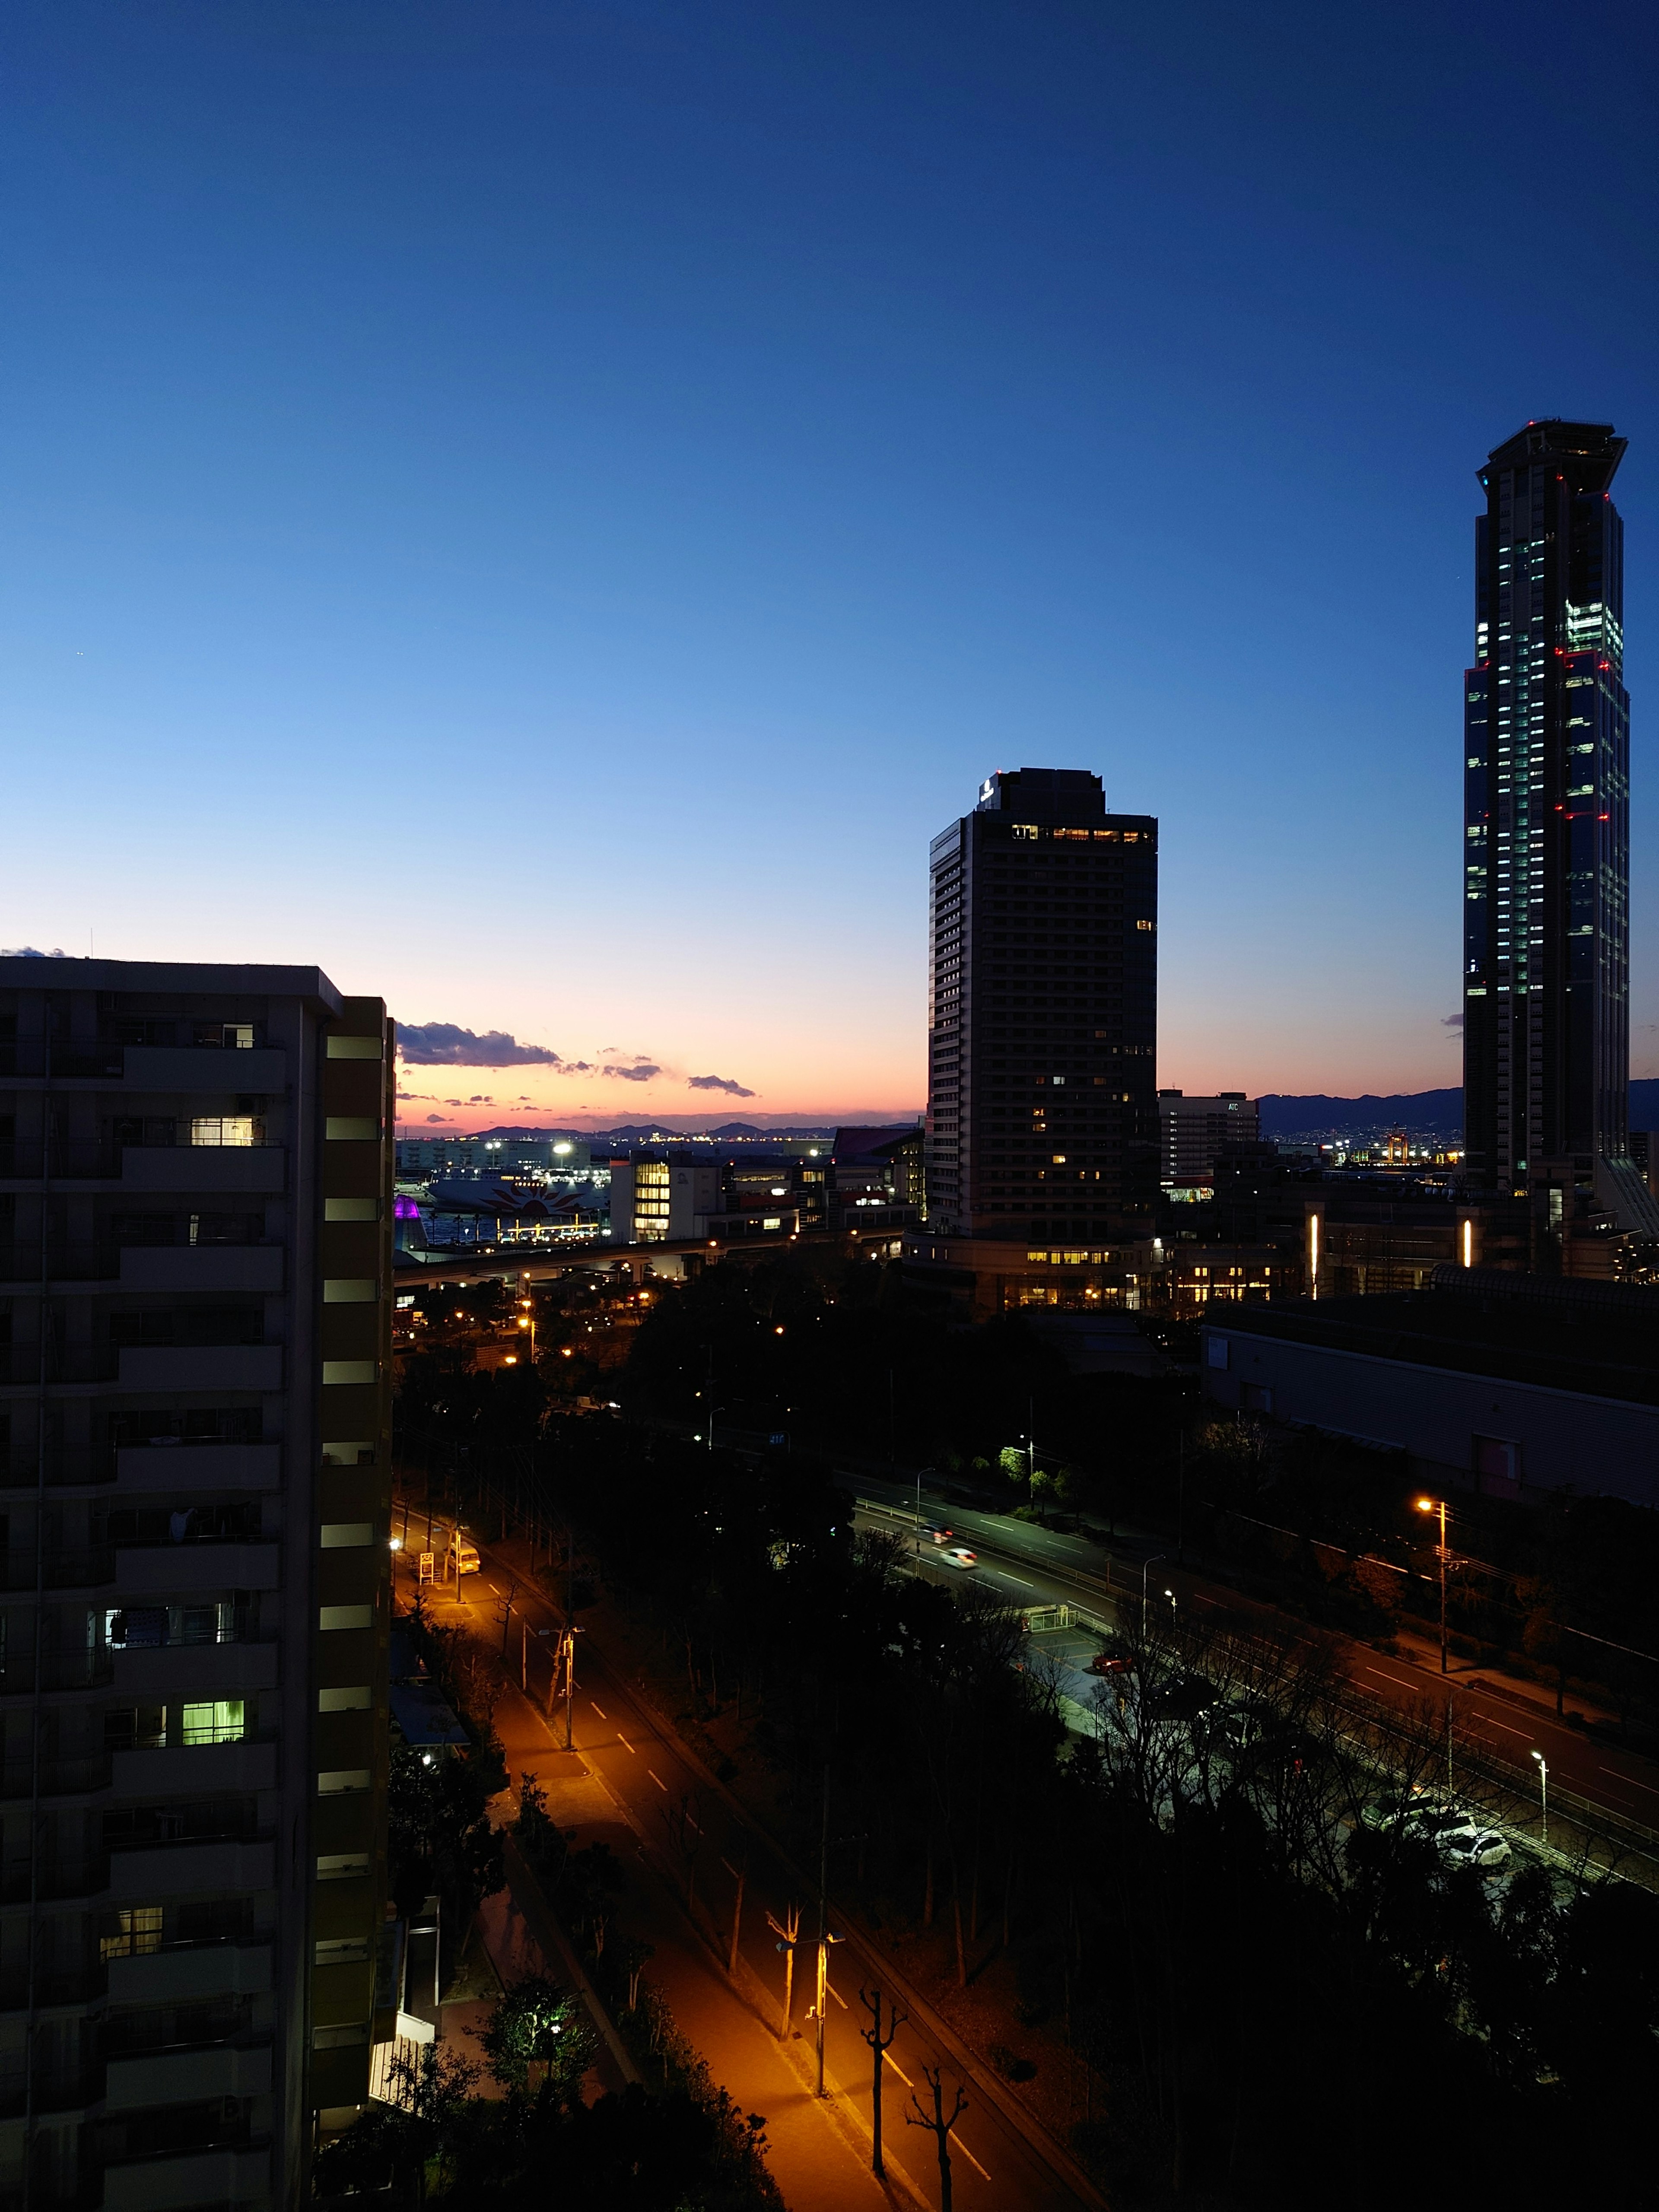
x: 544, y: 509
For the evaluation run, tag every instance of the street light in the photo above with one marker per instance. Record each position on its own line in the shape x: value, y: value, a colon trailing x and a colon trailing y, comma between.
x: 1543, y: 1797
x: 1171, y: 1596
x: 1438, y: 1505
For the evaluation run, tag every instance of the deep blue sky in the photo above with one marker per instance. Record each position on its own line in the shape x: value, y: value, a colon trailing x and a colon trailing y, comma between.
x: 545, y: 509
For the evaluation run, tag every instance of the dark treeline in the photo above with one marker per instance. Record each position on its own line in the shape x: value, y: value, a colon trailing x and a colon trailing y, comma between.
x: 1265, y: 1997
x: 834, y: 1353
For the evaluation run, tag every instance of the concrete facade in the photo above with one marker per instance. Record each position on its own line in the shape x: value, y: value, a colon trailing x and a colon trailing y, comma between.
x: 195, y: 1182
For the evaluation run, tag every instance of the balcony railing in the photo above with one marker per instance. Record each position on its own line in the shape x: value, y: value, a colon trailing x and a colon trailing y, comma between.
x: 59, y: 1263
x: 59, y: 1777
x: 60, y: 1571
x: 70, y: 1363
x: 28, y: 1161
x: 66, y: 1464
x: 199, y: 2027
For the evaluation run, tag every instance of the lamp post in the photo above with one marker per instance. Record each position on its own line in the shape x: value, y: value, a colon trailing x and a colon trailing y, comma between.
x: 1171, y: 1596
x: 1145, y: 1564
x: 1543, y: 1798
x: 1438, y: 1505
x: 529, y: 1323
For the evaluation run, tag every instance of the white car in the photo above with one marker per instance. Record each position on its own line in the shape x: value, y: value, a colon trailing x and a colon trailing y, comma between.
x: 958, y: 1555
x: 1476, y: 1847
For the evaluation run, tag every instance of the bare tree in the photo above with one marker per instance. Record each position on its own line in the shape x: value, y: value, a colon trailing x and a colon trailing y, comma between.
x: 940, y: 2122
x: 879, y: 2043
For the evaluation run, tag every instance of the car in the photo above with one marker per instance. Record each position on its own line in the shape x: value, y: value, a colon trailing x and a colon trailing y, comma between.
x: 1113, y: 1658
x: 1475, y: 1847
x: 939, y: 1533
x: 464, y: 1553
x: 958, y: 1555
x: 1425, y: 1818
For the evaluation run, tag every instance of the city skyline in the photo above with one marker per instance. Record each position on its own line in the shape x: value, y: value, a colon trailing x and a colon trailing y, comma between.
x: 652, y: 473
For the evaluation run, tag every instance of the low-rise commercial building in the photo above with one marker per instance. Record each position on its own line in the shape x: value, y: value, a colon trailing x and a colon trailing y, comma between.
x: 664, y: 1194
x: 1508, y: 1383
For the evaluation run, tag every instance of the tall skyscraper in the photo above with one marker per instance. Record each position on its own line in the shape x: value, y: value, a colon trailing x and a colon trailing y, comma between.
x: 195, y: 1263
x: 1042, y: 1013
x: 1547, y: 831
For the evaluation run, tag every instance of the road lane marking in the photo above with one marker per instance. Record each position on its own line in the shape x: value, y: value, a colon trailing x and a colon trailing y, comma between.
x: 969, y: 2155
x: 1485, y: 1720
x: 600, y: 1711
x: 1008, y: 1578
x: 834, y: 1993
x: 1382, y: 1672
x: 900, y: 2071
x: 625, y: 1744
x: 698, y: 1825
x: 658, y: 1779
x: 1630, y: 1780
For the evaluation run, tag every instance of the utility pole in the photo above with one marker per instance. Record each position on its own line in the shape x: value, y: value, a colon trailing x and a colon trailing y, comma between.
x: 824, y: 1920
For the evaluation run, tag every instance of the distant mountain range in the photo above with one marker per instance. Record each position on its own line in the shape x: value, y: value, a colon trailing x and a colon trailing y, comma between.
x: 636, y: 1132
x: 1425, y: 1113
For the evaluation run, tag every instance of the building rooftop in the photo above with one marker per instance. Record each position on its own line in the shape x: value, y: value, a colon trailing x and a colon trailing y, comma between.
x: 1601, y: 1339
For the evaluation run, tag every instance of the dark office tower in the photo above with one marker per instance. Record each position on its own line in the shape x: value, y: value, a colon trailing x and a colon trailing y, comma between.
x: 1546, y: 951
x: 1042, y: 1013
x: 195, y: 1431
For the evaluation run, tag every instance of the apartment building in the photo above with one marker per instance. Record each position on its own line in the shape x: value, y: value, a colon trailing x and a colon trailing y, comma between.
x: 195, y: 1182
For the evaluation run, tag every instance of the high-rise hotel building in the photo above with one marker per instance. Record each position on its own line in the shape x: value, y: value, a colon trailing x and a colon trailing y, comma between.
x: 195, y: 1222
x: 1547, y: 833
x: 1043, y: 1017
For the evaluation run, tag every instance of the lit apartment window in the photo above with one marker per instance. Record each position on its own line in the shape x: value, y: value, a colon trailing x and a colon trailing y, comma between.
x: 227, y: 1129
x: 137, y: 1932
x: 220, y: 1722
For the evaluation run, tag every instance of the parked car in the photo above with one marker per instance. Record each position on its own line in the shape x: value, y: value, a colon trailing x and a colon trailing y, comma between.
x: 1476, y: 1847
x: 1113, y: 1658
x: 465, y: 1554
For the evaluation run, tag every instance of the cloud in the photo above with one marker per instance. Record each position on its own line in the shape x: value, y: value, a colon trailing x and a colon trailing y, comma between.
x: 440, y: 1044
x: 478, y: 1098
x: 717, y: 1082
x: 642, y: 1071
x: 1452, y: 1022
x: 437, y: 1117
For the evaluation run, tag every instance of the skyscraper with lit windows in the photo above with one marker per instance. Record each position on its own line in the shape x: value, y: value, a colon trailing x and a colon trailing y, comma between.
x: 1547, y: 833
x: 1042, y: 1014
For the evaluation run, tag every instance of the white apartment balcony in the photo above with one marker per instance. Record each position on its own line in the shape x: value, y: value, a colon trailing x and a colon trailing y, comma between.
x: 174, y: 2184
x: 203, y: 1067
x: 177, y: 1569
x: 194, y: 1670
x: 201, y: 1367
x: 180, y: 1869
x: 185, y: 1769
x: 182, y: 2077
x: 204, y: 1168
x: 170, y: 1467
x: 202, y: 1268
x: 197, y: 1970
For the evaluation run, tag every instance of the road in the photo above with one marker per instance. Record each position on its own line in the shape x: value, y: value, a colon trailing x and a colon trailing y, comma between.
x: 650, y: 1781
x: 1032, y: 1565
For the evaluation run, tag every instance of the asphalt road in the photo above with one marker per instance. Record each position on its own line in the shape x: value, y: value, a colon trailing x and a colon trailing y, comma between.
x: 1031, y: 1565
x: 996, y: 2167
